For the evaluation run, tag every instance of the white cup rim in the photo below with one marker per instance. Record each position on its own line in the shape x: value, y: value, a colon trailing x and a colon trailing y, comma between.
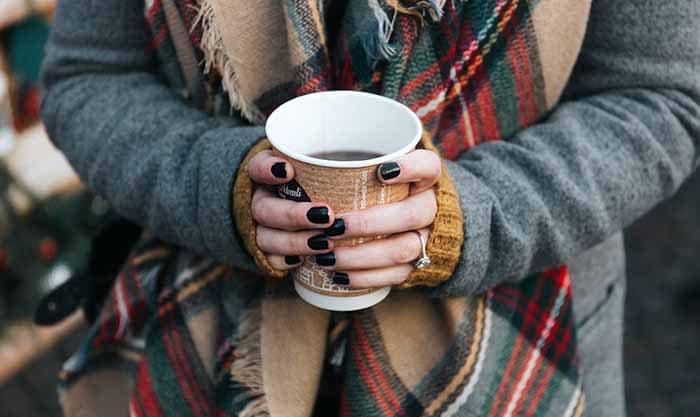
x: 271, y: 120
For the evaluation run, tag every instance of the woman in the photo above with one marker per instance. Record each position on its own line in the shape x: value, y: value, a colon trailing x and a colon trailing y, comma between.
x: 496, y: 325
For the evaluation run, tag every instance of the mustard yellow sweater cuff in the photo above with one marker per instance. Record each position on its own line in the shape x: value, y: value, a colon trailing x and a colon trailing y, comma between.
x: 443, y: 246
x: 242, y: 199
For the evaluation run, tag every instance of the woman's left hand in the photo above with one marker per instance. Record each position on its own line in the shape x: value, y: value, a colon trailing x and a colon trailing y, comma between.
x: 387, y: 261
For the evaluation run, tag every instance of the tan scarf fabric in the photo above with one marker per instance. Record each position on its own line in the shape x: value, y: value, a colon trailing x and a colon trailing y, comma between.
x: 255, y: 53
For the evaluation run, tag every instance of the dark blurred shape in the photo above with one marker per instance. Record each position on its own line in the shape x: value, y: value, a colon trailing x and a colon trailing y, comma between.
x: 41, y: 248
x: 662, y: 362
x: 61, y: 301
x: 88, y: 287
x: 688, y: 300
x: 110, y: 249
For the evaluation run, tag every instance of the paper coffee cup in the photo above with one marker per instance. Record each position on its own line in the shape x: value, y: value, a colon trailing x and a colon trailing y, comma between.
x: 304, y: 131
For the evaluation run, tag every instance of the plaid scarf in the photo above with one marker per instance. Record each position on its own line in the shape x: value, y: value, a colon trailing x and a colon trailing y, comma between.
x: 196, y: 338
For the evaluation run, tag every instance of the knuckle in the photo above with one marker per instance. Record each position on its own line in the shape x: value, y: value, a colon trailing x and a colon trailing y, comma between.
x: 297, y: 216
x: 255, y: 167
x: 261, y: 237
x: 429, y: 157
x: 358, y: 224
x: 259, y: 167
x: 296, y: 243
x: 260, y: 210
x: 406, y: 250
x: 414, y: 216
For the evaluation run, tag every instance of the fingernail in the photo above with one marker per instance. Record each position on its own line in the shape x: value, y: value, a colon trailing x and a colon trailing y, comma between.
x: 336, y: 229
x: 279, y: 170
x: 318, y: 215
x: 341, y: 278
x: 292, y: 260
x: 325, y: 259
x: 389, y: 170
x: 318, y: 242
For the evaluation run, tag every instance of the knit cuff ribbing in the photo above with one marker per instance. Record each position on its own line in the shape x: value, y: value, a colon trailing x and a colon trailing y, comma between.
x: 444, y: 244
x: 242, y: 199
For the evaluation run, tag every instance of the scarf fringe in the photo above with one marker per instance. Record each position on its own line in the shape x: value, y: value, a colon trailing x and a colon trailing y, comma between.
x: 215, y: 56
x: 246, y: 368
x: 376, y: 44
x: 434, y: 8
x: 421, y: 8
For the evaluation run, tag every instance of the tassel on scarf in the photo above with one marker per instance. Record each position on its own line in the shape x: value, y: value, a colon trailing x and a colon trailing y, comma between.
x: 420, y: 8
x: 376, y: 42
x: 246, y: 368
x: 215, y: 57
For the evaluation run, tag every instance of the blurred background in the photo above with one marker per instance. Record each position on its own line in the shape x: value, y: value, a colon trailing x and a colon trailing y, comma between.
x: 47, y: 220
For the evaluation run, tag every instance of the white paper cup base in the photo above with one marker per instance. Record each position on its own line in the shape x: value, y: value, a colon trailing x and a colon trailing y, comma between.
x: 341, y: 303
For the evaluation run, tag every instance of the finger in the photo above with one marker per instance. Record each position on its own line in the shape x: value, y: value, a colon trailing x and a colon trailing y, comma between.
x: 421, y: 167
x: 271, y: 211
x: 415, y: 212
x: 281, y: 242
x: 371, y: 278
x: 284, y: 262
x: 265, y: 168
x: 403, y: 248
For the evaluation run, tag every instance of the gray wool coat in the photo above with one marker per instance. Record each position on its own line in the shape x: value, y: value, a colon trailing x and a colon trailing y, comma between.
x: 624, y: 137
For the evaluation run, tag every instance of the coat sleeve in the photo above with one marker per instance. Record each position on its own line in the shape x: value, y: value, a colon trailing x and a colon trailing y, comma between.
x: 132, y: 139
x: 624, y: 137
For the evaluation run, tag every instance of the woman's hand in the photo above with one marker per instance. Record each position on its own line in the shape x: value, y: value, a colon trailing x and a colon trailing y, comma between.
x: 286, y: 230
x: 283, y: 226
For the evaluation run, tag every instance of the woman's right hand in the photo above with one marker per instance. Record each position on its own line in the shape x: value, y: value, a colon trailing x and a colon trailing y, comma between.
x: 286, y: 230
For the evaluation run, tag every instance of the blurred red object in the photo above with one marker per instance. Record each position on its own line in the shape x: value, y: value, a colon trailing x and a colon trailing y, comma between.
x: 48, y: 249
x: 28, y: 103
x: 31, y: 103
x: 4, y: 259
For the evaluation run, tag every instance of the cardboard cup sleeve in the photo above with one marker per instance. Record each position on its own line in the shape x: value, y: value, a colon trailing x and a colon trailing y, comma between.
x: 344, y: 189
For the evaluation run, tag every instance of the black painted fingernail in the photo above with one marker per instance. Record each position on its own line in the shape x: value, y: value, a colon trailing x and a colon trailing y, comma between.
x: 318, y: 215
x: 336, y: 229
x: 389, y: 170
x: 341, y: 278
x: 279, y: 170
x: 318, y: 242
x: 292, y: 260
x: 325, y: 259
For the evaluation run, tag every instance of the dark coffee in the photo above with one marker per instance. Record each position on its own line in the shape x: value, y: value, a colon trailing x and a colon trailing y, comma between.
x: 346, y: 155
